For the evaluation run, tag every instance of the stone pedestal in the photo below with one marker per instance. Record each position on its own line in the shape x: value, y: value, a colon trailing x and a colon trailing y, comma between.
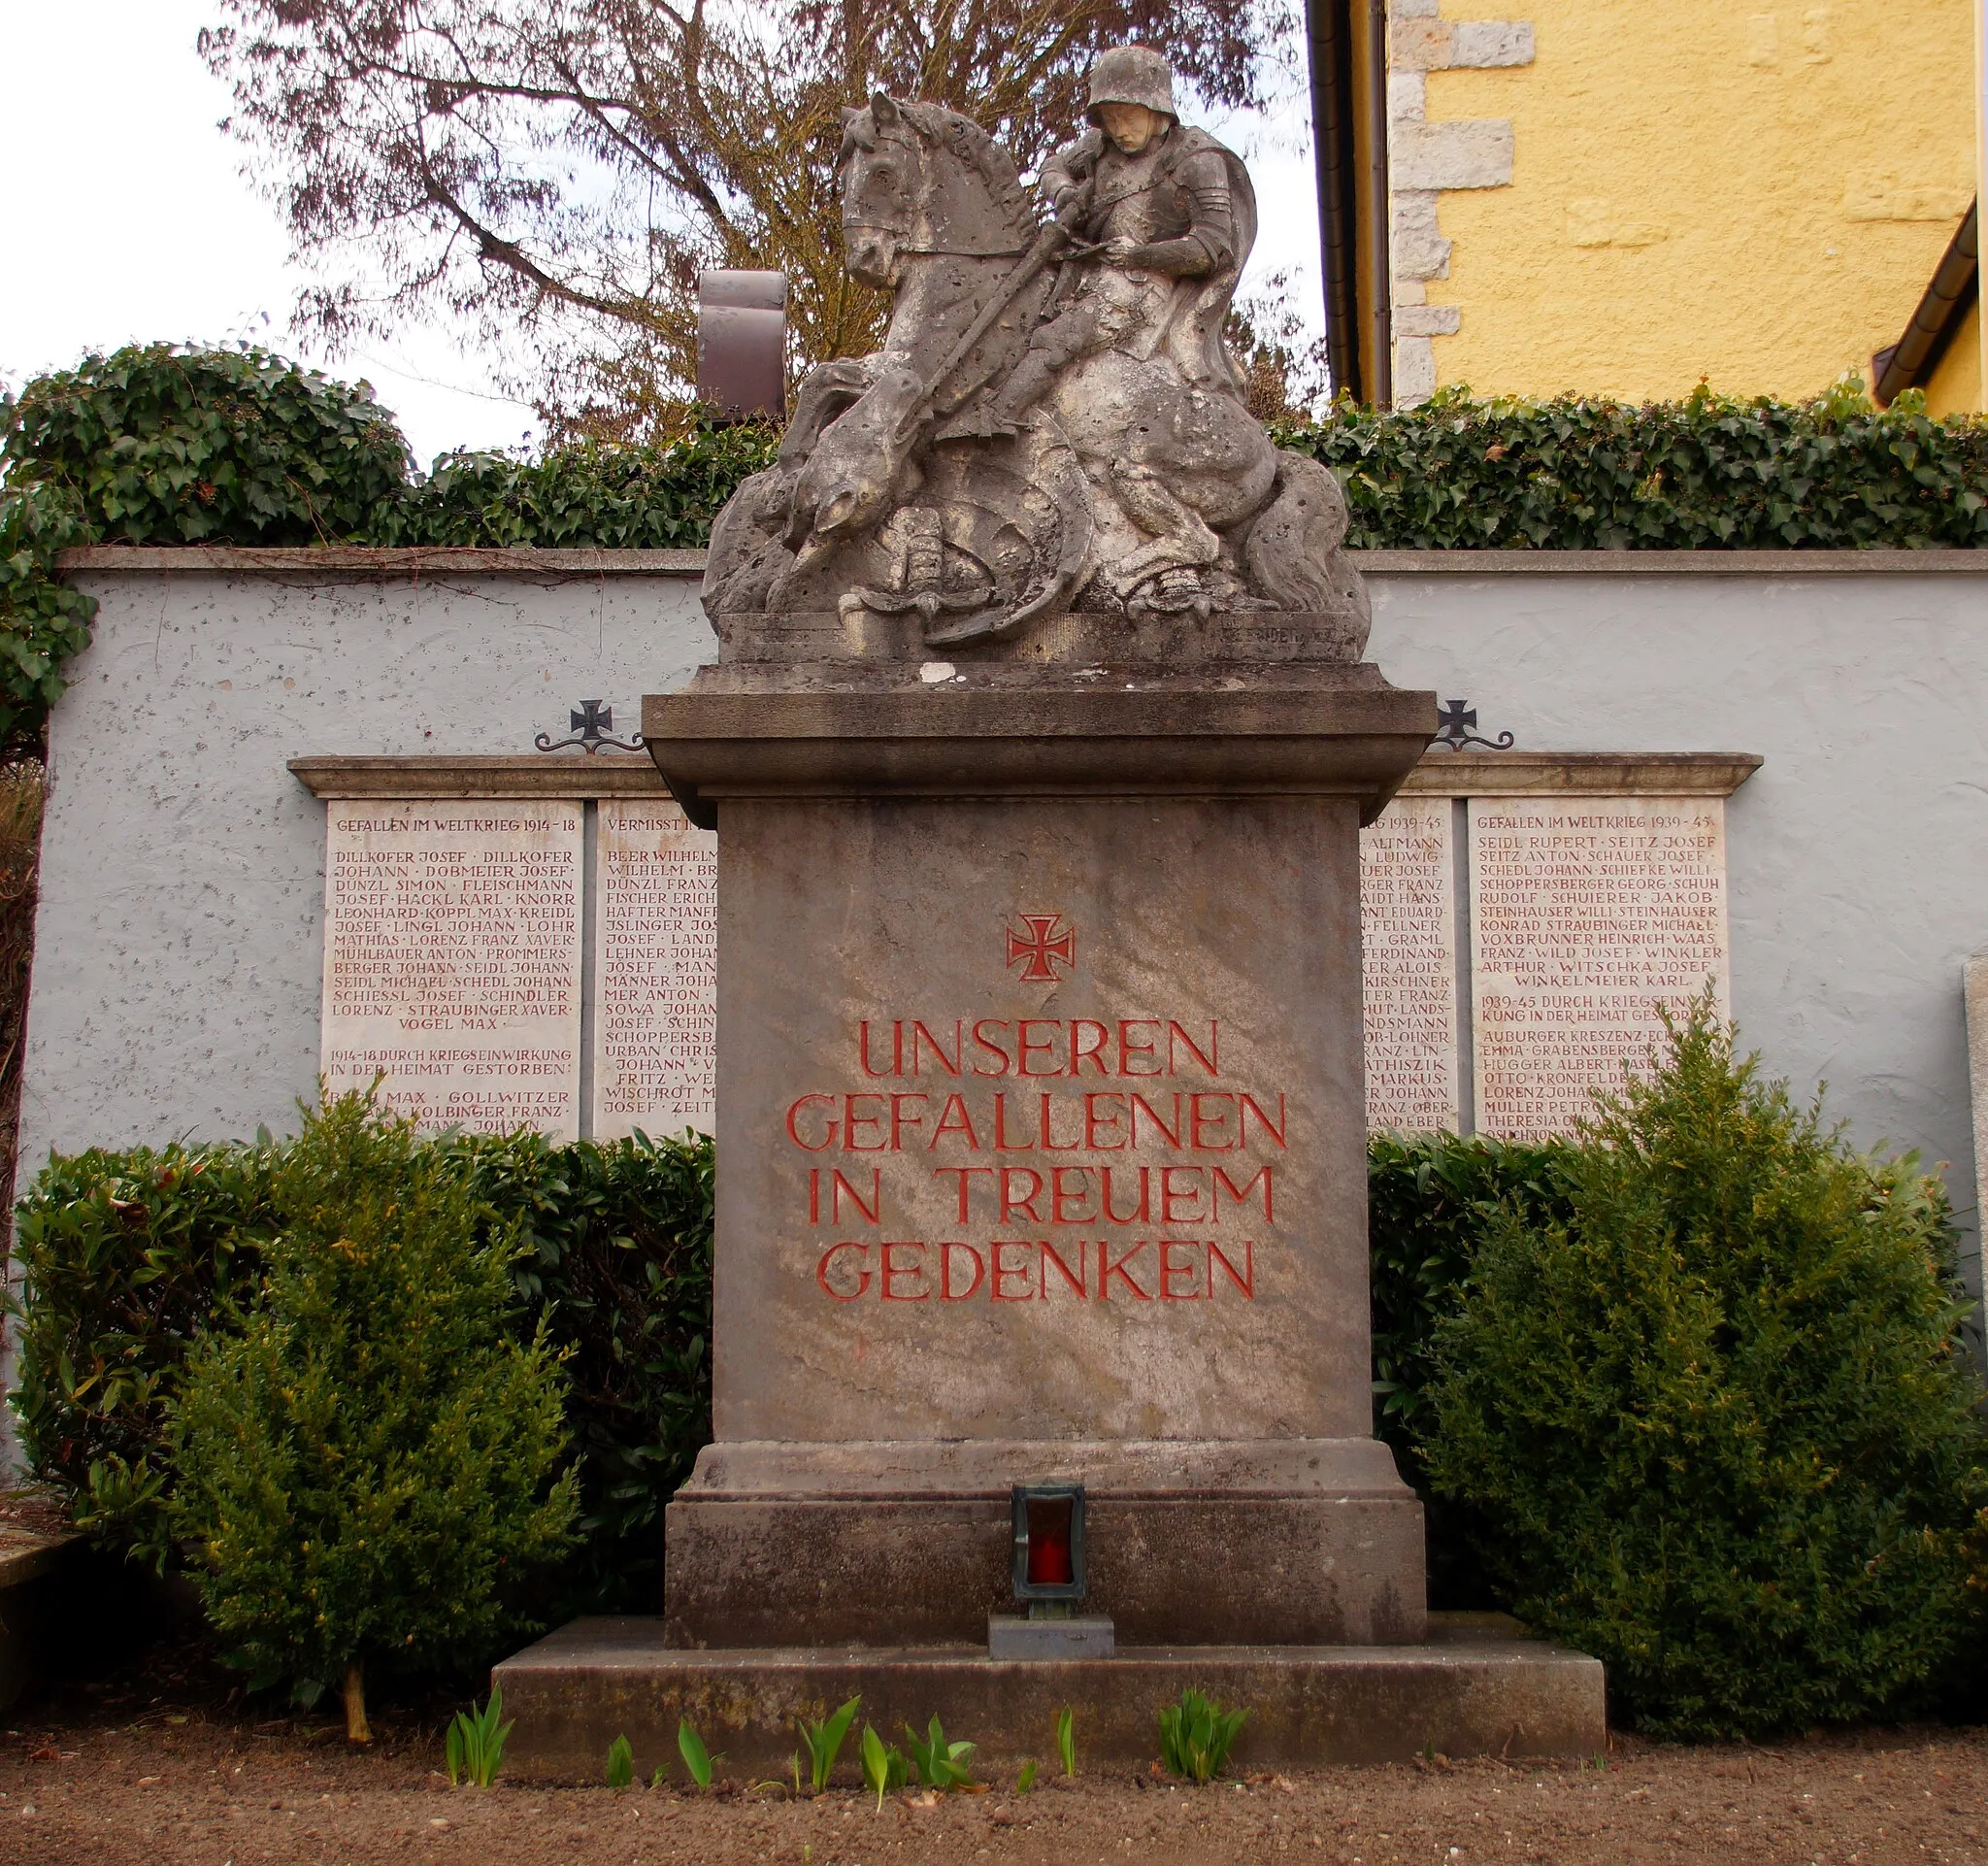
x: 1475, y: 1687
x: 1042, y: 1133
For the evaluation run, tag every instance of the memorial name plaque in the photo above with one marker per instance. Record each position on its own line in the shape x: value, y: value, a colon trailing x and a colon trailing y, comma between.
x: 452, y: 960
x: 656, y: 971
x: 1407, y: 920
x: 1586, y: 913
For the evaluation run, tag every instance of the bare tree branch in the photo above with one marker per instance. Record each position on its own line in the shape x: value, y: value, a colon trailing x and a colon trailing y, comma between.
x: 557, y: 171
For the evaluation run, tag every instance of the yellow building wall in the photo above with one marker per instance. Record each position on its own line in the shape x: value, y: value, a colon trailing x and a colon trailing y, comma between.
x: 1700, y: 190
x: 1955, y: 386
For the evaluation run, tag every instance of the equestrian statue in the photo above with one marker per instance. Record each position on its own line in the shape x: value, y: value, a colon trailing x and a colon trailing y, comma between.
x: 1054, y: 422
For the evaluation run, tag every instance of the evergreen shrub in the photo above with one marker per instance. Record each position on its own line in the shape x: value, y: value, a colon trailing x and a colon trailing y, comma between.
x: 123, y: 1254
x: 367, y: 1455
x: 122, y: 1257
x: 1713, y: 1417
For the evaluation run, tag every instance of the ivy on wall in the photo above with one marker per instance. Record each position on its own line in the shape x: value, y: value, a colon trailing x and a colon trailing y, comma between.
x: 613, y: 498
x: 1707, y: 472
x: 159, y: 444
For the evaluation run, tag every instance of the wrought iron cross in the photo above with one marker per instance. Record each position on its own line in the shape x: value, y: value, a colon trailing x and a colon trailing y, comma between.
x: 591, y: 725
x: 1455, y: 720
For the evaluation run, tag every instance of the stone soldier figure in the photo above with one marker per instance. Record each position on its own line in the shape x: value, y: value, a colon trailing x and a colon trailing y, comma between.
x: 1151, y: 203
x: 1096, y: 450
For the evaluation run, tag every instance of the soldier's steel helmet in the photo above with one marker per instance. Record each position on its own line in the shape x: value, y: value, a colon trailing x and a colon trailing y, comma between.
x: 1132, y: 75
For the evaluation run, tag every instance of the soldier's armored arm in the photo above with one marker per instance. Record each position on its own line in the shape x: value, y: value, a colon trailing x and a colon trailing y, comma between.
x: 1065, y: 180
x: 1209, y: 241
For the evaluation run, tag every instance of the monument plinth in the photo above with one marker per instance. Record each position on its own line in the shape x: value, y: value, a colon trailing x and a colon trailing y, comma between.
x: 1038, y: 744
x: 1042, y: 1114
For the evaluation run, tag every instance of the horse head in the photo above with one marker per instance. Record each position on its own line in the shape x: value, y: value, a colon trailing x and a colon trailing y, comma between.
x: 934, y: 212
x: 920, y: 178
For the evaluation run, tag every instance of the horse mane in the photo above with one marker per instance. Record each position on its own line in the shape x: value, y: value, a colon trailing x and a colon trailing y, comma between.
x: 936, y: 125
x: 979, y: 150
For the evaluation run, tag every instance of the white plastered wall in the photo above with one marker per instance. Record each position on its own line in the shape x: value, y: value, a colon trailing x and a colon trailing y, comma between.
x: 1857, y: 855
x: 179, y: 942
x: 175, y: 985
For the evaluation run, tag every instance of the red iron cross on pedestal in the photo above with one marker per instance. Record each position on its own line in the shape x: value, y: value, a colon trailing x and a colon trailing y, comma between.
x: 1042, y: 945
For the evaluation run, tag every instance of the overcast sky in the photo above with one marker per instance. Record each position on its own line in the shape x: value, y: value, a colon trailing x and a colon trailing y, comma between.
x: 130, y: 219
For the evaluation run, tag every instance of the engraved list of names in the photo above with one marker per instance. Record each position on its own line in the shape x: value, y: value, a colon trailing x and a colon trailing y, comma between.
x: 452, y: 960
x: 1407, y: 924
x: 656, y: 969
x: 1586, y: 913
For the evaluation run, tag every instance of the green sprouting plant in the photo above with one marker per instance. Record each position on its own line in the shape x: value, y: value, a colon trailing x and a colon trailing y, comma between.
x: 475, y: 1743
x: 696, y: 1757
x: 824, y: 1741
x: 941, y: 1765
x: 1196, y: 1736
x: 620, y: 1764
x: 1026, y: 1781
x: 885, y: 1768
x: 1065, y: 1738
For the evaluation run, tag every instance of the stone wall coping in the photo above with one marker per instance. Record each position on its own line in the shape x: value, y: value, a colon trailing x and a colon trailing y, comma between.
x: 1580, y: 773
x: 1668, y: 563
x: 576, y: 774
x: 624, y: 774
x: 349, y: 560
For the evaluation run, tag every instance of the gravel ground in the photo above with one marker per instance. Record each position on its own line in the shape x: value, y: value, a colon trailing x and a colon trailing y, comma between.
x: 160, y: 1769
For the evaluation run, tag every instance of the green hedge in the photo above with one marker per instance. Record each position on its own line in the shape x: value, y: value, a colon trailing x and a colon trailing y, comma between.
x: 1707, y: 472
x: 1579, y: 1407
x: 658, y: 498
x: 1429, y: 1197
x: 157, y: 445
x: 123, y: 1258
x: 160, y: 445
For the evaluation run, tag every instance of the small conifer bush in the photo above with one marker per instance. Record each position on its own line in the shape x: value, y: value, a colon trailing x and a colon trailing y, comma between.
x: 1714, y: 1415
x: 369, y: 1458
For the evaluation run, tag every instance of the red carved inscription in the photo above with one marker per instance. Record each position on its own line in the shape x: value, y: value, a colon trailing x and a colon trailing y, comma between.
x: 1094, y: 1192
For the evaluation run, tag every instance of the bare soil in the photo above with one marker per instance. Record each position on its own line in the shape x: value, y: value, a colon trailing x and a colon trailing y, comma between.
x: 160, y: 1767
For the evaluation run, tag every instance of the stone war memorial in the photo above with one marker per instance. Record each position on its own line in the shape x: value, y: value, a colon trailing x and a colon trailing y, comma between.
x: 1037, y: 749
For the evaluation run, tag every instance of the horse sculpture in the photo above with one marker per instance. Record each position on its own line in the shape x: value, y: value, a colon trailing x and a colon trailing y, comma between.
x: 884, y: 500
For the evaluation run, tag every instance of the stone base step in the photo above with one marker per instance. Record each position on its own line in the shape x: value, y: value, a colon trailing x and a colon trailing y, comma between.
x: 1479, y: 1687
